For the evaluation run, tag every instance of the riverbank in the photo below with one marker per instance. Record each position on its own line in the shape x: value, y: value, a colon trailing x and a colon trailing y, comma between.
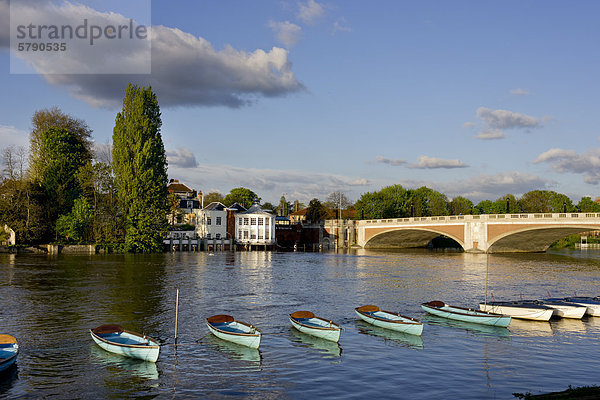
x: 579, y: 393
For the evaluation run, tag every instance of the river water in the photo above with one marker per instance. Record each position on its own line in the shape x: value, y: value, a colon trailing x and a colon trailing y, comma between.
x: 49, y: 304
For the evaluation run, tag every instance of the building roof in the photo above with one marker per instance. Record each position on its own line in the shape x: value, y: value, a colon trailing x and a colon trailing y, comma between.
x: 255, y: 209
x: 238, y: 207
x: 216, y: 206
x: 177, y: 187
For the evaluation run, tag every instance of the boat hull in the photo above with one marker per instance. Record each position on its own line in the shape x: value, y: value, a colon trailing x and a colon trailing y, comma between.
x: 328, y: 330
x: 567, y: 311
x: 8, y: 355
x: 592, y: 304
x: 251, y: 340
x: 395, y: 323
x: 468, y: 315
x: 146, y: 348
x: 534, y: 314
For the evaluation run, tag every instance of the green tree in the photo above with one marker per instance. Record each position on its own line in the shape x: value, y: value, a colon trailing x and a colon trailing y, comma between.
x: 44, y: 120
x: 77, y: 225
x: 268, y: 206
x: 427, y: 202
x: 241, y: 195
x: 140, y: 166
x: 545, y: 201
x: 284, y: 207
x: 460, y: 205
x: 316, y: 212
x: 389, y: 202
x: 213, y: 197
x: 587, y: 205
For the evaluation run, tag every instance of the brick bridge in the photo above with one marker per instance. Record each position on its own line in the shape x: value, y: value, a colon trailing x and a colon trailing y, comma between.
x: 500, y: 233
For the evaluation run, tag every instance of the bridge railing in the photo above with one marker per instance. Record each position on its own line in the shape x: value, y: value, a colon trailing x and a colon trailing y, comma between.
x: 482, y: 217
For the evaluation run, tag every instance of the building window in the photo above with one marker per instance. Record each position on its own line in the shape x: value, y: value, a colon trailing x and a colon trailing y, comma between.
x: 218, y: 236
x: 208, y: 220
x: 252, y: 221
x: 260, y: 236
x: 245, y: 234
x: 253, y: 237
x: 218, y: 221
x: 267, y: 232
x: 208, y: 235
x: 246, y: 221
x: 239, y: 235
x: 240, y: 221
x: 190, y: 204
x: 261, y: 221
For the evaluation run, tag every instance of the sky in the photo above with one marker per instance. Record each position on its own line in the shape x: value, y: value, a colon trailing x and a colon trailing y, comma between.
x: 304, y: 98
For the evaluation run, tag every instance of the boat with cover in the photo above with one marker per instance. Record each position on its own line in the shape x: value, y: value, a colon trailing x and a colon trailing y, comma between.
x: 592, y: 303
x: 9, y: 349
x: 564, y: 309
x: 389, y: 320
x: 307, y: 322
x: 519, y: 309
x: 227, y: 328
x: 444, y: 310
x: 115, y: 339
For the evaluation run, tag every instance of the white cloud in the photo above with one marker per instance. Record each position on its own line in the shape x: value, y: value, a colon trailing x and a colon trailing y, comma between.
x: 504, y: 119
x: 269, y: 184
x: 310, y: 11
x: 469, y: 124
x: 182, y: 158
x: 520, y: 92
x: 12, y: 136
x: 186, y: 70
x: 425, y: 162
x: 569, y: 161
x: 390, y: 161
x: 287, y: 33
x: 491, y: 134
x: 496, y: 121
x: 341, y: 26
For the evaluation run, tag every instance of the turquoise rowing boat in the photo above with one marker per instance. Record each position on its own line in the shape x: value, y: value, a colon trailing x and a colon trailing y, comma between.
x: 444, y: 310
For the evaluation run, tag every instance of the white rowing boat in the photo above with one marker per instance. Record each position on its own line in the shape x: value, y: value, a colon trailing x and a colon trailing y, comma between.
x: 227, y: 328
x: 115, y: 339
x: 444, y: 310
x: 519, y: 309
x: 307, y: 322
x: 389, y: 320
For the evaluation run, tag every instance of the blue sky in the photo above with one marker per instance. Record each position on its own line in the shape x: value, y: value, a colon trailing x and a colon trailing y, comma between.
x: 309, y: 97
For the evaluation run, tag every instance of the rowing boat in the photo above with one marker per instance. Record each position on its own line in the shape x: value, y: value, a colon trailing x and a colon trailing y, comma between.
x: 227, y: 328
x: 115, y: 339
x: 565, y: 309
x: 307, y: 322
x: 592, y: 303
x: 519, y: 309
x: 9, y: 349
x: 389, y: 320
x: 444, y: 310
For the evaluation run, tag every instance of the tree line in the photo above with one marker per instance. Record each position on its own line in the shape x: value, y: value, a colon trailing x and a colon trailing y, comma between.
x: 63, y: 189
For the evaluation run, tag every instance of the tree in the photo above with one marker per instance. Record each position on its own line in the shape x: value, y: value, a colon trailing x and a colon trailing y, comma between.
x: 427, y: 202
x: 213, y: 197
x: 76, y: 225
x: 460, y: 205
x: 545, y: 201
x: 268, y: 206
x: 316, y: 212
x: 42, y: 121
x: 389, y: 202
x: 243, y: 196
x: 586, y: 205
x: 298, y: 206
x: 337, y: 200
x: 140, y: 166
x: 284, y: 207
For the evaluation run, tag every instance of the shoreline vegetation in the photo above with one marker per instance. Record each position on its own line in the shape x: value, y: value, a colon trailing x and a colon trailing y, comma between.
x: 578, y: 393
x: 67, y: 190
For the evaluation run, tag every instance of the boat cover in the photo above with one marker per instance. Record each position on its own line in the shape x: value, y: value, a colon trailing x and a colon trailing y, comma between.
x: 220, y: 318
x: 7, y: 339
x: 108, y: 328
x: 302, y: 314
x: 368, y: 308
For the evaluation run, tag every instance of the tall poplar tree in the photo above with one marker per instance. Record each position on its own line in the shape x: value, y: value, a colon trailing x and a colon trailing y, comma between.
x: 140, y: 166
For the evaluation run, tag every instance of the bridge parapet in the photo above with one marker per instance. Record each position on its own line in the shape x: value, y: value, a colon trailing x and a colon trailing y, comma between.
x: 482, y: 217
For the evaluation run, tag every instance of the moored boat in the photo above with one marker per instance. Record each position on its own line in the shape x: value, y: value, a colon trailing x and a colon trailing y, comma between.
x: 565, y: 309
x: 519, y: 309
x: 227, y: 328
x: 444, y: 310
x: 307, y: 322
x: 9, y: 349
x: 389, y: 320
x: 592, y: 303
x: 115, y: 339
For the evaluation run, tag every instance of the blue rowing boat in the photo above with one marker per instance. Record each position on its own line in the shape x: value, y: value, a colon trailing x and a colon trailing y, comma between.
x: 9, y: 349
x: 444, y: 310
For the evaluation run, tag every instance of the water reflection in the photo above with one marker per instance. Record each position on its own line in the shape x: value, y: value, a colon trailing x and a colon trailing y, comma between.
x: 233, y: 351
x: 523, y: 327
x: 478, y: 329
x: 328, y: 347
x: 390, y: 336
x: 119, y: 365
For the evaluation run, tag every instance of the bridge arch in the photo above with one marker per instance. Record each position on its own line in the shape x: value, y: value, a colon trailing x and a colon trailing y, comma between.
x: 407, y: 238
x: 533, y: 239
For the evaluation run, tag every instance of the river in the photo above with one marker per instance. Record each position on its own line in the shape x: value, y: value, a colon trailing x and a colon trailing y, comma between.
x: 49, y: 304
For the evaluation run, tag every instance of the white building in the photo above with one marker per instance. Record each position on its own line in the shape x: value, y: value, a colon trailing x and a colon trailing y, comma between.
x: 212, y: 221
x: 255, y: 227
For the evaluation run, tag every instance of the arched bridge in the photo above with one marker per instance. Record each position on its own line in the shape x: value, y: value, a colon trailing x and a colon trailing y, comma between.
x: 501, y: 233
